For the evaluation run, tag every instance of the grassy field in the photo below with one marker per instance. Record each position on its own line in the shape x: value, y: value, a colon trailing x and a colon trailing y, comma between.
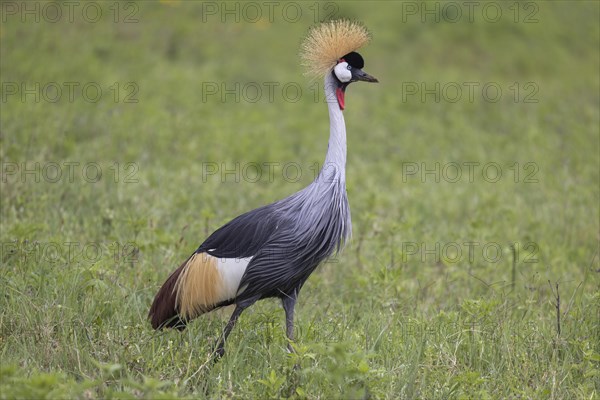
x: 130, y: 131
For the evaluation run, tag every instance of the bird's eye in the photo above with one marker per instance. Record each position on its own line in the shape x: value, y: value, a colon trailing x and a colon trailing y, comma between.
x: 349, y: 67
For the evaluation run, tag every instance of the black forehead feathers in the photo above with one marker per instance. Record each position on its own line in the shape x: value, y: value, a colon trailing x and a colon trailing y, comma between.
x: 355, y: 60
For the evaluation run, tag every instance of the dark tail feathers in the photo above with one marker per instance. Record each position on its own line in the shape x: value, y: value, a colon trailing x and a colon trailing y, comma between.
x: 163, y: 313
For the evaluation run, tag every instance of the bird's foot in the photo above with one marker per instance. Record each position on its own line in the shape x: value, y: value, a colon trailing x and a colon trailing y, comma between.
x: 218, y: 353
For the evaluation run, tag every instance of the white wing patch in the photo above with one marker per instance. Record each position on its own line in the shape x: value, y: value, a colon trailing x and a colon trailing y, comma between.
x: 231, y: 270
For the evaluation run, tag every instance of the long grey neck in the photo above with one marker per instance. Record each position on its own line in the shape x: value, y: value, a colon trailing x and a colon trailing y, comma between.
x: 334, y: 167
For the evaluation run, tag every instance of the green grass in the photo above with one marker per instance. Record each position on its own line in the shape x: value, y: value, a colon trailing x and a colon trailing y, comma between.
x: 392, y: 316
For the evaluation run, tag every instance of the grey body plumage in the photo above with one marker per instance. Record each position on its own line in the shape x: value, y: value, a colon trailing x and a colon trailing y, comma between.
x: 289, y: 238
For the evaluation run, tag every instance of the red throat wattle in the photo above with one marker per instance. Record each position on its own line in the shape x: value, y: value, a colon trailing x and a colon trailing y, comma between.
x: 340, y: 97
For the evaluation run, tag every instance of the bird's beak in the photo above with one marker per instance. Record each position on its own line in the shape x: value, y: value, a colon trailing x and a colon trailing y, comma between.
x: 357, y: 75
x: 360, y: 75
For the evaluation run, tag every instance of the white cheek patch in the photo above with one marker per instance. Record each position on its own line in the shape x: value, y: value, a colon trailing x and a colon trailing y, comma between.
x: 342, y: 72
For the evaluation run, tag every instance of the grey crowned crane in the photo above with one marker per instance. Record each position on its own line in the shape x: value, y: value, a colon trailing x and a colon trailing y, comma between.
x: 271, y: 251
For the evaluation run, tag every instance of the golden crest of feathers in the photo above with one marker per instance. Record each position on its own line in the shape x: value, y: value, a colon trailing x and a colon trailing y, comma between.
x: 328, y: 42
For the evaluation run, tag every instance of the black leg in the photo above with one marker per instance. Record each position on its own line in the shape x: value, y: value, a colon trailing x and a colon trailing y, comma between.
x: 289, y: 302
x: 220, y: 347
x: 239, y: 307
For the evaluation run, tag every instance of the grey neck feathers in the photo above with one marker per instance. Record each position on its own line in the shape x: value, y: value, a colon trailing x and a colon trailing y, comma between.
x: 321, y: 211
x: 334, y: 168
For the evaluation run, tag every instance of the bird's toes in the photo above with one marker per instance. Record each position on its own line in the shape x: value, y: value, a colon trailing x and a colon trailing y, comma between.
x: 218, y: 353
x: 290, y: 348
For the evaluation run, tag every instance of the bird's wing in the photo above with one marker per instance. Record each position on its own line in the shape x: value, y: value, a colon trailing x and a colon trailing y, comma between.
x: 276, y: 266
x: 285, y: 261
x: 243, y: 236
